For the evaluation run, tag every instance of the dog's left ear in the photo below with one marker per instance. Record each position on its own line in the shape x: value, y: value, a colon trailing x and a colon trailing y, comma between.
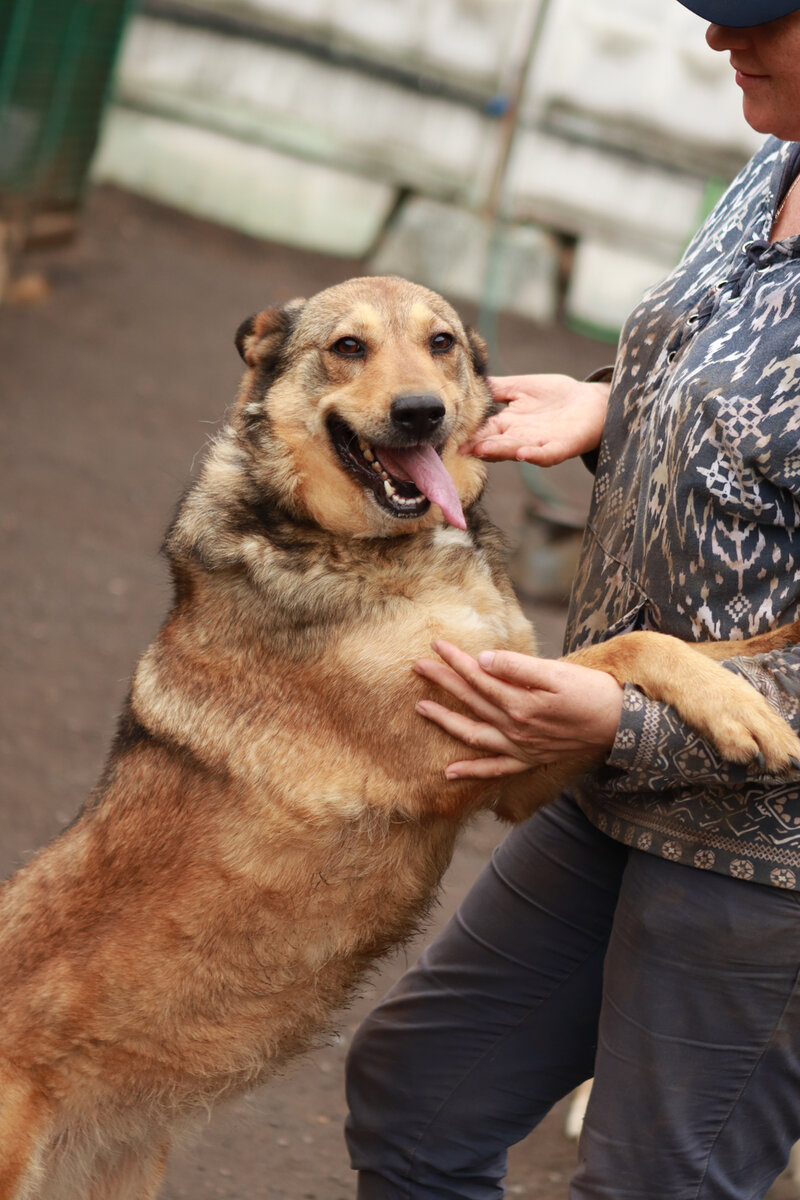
x: 478, y: 350
x: 259, y: 338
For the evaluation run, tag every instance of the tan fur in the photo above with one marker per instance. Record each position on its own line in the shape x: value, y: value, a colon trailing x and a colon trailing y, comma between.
x: 274, y: 816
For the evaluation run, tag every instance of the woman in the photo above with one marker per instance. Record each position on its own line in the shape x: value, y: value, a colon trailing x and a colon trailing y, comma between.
x: 646, y: 928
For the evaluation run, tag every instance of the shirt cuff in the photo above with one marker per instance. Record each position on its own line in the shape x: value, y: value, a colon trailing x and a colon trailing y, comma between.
x: 637, y: 732
x: 601, y: 375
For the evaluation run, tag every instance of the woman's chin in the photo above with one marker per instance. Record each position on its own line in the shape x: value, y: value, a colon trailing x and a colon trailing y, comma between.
x: 782, y: 122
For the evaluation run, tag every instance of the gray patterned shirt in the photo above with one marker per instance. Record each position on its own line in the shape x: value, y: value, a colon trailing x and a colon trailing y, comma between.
x: 694, y: 528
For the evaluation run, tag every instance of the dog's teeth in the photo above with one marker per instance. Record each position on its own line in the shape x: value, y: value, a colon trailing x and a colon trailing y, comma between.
x: 376, y: 466
x: 389, y: 489
x: 366, y: 449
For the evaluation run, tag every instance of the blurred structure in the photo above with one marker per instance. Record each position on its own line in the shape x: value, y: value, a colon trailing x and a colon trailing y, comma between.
x: 56, y: 59
x: 549, y: 158
x: 375, y: 128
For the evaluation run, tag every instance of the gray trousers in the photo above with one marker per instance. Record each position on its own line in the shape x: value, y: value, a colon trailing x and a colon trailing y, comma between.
x: 575, y: 956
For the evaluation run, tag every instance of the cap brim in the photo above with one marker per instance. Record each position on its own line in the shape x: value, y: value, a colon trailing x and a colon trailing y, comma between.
x: 739, y: 13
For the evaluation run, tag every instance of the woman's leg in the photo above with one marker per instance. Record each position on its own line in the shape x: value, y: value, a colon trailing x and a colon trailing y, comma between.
x: 496, y: 1022
x: 697, y: 1077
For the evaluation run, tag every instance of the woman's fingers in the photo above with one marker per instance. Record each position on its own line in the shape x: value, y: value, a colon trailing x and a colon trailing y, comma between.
x: 469, y: 670
x: 547, y: 419
x: 501, y: 676
x: 486, y: 768
x: 521, y: 446
x: 523, y: 389
x: 474, y: 688
x: 459, y: 688
x: 516, y: 706
x: 532, y: 710
x: 521, y: 670
x: 475, y: 734
x: 478, y: 736
x: 493, y: 428
x: 505, y: 431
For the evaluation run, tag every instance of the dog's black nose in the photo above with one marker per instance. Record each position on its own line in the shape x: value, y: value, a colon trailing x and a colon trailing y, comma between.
x: 417, y: 416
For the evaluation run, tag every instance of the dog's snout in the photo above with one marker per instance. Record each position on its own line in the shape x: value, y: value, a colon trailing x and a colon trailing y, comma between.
x: 417, y: 415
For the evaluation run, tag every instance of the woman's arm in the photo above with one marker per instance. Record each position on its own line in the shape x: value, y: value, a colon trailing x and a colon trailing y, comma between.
x: 527, y: 711
x: 548, y: 418
x: 658, y: 750
x: 524, y: 711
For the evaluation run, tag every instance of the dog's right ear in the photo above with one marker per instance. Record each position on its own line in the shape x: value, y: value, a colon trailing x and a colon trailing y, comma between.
x: 259, y: 338
x: 479, y: 351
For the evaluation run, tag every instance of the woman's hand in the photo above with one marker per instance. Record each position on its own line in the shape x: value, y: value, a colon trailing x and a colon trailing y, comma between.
x: 524, y: 711
x: 549, y: 418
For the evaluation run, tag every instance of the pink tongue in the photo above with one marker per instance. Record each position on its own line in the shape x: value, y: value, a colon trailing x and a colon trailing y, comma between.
x: 423, y: 465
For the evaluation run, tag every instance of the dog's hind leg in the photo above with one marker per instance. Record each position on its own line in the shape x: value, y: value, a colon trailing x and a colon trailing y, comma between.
x: 131, y: 1172
x: 24, y: 1123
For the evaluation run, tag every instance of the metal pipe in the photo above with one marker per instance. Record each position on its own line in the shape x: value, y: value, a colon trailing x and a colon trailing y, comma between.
x: 532, y: 20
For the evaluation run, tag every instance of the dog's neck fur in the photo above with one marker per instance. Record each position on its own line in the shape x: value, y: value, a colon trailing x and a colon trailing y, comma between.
x: 228, y: 527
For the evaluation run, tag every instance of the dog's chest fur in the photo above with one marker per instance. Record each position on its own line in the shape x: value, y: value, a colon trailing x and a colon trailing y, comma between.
x: 271, y: 760
x: 298, y: 662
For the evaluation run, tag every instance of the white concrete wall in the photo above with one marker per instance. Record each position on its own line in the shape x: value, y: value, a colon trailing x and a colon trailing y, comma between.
x: 315, y: 110
x: 468, y: 41
x: 461, y: 254
x: 638, y: 74
x: 246, y: 186
x: 627, y: 121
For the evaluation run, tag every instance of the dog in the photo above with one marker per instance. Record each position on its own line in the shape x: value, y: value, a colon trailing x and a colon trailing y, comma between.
x: 273, y: 816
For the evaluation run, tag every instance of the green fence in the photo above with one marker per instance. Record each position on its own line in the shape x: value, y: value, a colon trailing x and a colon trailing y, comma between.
x: 56, y: 60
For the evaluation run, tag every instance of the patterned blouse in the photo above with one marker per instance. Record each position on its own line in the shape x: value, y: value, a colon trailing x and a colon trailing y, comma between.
x: 694, y: 529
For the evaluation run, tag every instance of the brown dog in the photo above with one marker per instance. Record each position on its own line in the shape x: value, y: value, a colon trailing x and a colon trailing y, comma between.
x: 273, y: 816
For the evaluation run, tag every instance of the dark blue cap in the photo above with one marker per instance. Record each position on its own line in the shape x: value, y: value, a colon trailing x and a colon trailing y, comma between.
x: 740, y: 13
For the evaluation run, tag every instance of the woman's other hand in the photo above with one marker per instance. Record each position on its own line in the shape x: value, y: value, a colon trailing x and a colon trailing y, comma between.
x: 523, y: 711
x: 549, y: 418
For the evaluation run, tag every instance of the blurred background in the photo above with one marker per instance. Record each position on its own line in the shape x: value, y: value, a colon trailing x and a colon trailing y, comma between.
x: 546, y: 159
x: 168, y: 167
x: 594, y: 137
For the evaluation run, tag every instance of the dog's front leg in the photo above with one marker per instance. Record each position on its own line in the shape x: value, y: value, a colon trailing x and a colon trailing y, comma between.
x: 130, y: 1172
x: 24, y: 1125
x: 764, y: 643
x: 720, y: 705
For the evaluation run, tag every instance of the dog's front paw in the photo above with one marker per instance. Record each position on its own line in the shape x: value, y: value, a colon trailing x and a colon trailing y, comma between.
x: 746, y: 730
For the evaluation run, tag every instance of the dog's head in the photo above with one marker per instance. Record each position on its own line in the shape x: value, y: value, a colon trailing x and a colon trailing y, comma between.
x: 355, y: 402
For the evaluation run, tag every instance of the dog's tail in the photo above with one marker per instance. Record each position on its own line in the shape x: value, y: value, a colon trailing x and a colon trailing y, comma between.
x: 24, y: 1122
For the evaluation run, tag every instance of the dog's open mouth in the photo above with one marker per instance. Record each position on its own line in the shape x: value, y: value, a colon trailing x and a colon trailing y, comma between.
x: 405, y: 481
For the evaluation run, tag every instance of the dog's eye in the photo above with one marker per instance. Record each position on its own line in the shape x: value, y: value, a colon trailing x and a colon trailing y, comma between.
x: 442, y: 342
x: 349, y: 347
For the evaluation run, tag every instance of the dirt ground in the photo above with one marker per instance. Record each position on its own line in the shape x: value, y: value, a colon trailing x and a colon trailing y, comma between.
x: 109, y: 387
